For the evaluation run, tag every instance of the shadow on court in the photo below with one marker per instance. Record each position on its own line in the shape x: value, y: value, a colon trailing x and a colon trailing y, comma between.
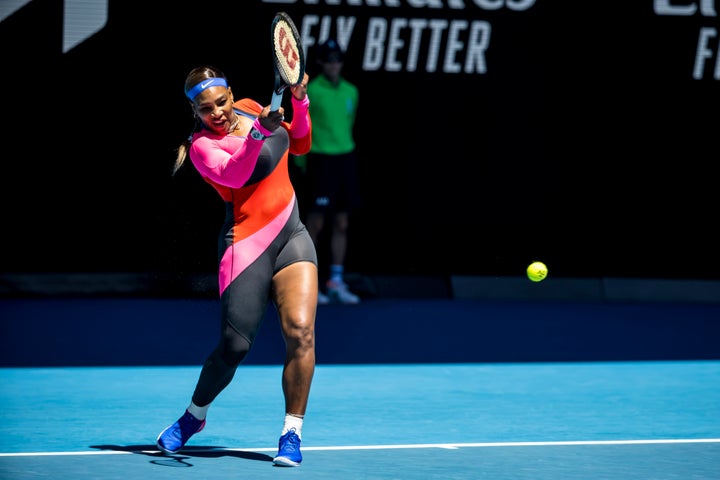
x: 187, y: 453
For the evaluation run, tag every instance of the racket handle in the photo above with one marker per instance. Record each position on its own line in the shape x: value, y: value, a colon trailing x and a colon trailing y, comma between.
x: 276, y: 101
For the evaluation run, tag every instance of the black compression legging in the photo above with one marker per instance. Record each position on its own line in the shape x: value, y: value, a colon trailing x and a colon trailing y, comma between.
x: 243, y: 306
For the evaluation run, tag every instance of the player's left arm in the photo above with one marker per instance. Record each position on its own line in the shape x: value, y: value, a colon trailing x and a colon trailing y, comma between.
x: 300, y: 129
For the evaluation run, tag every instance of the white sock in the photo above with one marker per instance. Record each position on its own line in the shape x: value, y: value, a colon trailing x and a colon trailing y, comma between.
x: 292, y: 421
x: 198, y: 412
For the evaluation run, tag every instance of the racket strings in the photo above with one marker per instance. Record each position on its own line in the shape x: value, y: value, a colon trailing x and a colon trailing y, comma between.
x: 287, y: 53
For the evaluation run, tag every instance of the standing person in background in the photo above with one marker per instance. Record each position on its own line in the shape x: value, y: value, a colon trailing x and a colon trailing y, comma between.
x: 332, y: 189
x: 264, y: 251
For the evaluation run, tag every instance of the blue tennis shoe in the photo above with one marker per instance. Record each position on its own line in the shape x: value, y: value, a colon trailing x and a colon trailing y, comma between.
x: 288, y: 450
x: 174, y: 437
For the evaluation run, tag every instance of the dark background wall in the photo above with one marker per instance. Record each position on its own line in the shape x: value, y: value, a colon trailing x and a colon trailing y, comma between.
x: 153, y: 331
x: 584, y: 141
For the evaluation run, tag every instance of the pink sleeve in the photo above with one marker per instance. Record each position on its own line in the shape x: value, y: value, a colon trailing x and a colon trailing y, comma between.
x: 300, y: 124
x: 222, y: 167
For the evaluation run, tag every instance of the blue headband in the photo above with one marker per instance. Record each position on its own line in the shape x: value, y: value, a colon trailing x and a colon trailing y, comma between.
x: 204, y: 85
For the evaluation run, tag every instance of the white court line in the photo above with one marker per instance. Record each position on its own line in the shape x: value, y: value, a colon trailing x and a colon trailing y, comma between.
x: 450, y: 446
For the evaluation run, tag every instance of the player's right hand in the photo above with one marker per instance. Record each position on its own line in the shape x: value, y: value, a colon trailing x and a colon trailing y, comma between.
x: 271, y: 120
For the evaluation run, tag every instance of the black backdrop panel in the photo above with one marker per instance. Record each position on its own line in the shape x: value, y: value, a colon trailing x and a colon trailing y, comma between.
x: 491, y: 133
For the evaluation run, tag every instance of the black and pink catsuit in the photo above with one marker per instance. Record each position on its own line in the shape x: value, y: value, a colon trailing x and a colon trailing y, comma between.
x: 261, y: 235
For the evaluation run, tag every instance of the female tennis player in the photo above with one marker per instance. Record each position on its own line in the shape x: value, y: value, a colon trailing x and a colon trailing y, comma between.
x: 265, y: 253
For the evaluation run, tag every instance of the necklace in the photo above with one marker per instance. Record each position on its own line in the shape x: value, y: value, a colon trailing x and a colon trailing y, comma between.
x: 234, y: 125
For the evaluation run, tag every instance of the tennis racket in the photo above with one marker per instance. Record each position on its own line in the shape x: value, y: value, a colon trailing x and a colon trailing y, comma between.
x: 288, y: 57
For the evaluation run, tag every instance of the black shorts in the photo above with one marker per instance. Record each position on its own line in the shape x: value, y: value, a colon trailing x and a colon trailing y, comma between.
x: 332, y: 183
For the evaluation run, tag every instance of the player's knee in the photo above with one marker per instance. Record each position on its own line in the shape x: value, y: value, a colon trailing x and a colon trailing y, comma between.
x: 300, y: 336
x: 235, y: 350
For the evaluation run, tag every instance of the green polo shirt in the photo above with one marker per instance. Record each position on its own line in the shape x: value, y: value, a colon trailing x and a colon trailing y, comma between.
x: 332, y: 110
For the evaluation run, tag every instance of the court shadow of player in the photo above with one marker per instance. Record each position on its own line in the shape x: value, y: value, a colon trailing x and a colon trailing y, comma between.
x: 178, y: 459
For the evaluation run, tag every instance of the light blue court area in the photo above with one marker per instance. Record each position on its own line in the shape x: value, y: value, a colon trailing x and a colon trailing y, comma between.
x: 583, y: 420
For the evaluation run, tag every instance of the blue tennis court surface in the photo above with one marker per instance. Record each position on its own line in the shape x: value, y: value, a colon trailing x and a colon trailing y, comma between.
x: 404, y: 389
x: 603, y: 420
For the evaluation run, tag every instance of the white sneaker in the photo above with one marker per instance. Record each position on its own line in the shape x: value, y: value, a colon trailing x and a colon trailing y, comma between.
x: 340, y: 293
x: 323, y: 299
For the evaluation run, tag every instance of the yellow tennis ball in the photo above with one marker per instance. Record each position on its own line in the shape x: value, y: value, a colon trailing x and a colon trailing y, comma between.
x: 537, y: 271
